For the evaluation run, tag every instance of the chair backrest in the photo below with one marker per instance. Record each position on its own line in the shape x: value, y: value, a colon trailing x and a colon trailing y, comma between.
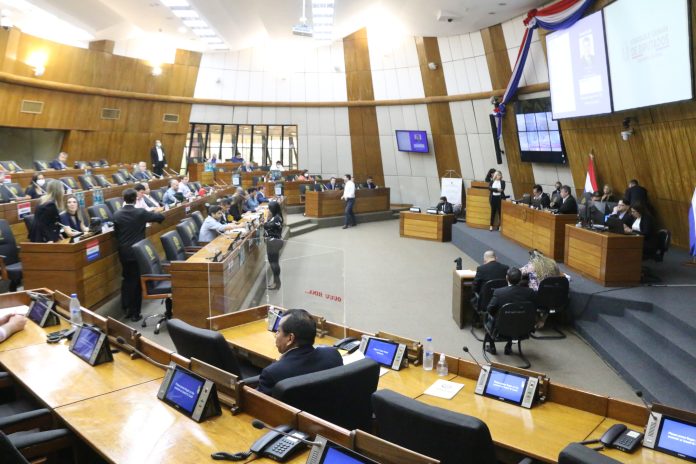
x: 94, y: 164
x: 664, y: 239
x: 302, y: 188
x: 575, y: 453
x: 451, y: 437
x: 102, y: 181
x: 8, y: 244
x: 87, y: 182
x: 104, y: 162
x: 29, y: 222
x: 157, y: 195
x: 486, y: 293
x: 9, y: 452
x: 11, y: 166
x: 100, y: 211
x: 147, y: 257
x: 40, y: 165
x: 173, y: 246
x: 118, y: 178
x: 81, y: 164
x: 197, y: 185
x: 553, y: 293
x: 515, y: 320
x: 114, y: 204
x: 197, y: 217
x: 15, y: 188
x: 70, y: 182
x: 187, y: 232
x: 207, y: 345
x: 340, y: 395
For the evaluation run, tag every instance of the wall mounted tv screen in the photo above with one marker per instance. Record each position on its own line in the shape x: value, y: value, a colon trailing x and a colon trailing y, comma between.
x: 413, y: 141
x: 538, y: 133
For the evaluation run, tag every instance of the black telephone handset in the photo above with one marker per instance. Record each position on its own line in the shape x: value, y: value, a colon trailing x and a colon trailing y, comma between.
x: 349, y: 344
x: 279, y: 447
x: 622, y: 438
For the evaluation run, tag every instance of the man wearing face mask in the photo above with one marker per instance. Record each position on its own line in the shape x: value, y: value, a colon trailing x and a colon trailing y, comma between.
x: 159, y: 159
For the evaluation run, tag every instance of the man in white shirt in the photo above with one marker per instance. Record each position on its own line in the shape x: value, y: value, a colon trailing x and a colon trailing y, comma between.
x: 184, y: 188
x: 279, y: 166
x: 212, y: 227
x: 143, y: 200
x: 349, y: 197
x: 158, y: 158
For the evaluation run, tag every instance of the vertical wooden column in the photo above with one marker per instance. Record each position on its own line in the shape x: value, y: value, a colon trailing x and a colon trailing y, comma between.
x: 364, y: 132
x: 444, y: 143
x: 521, y: 174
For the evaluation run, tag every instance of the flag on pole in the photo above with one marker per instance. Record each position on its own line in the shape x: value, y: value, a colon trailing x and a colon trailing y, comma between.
x: 590, y: 179
x: 692, y: 226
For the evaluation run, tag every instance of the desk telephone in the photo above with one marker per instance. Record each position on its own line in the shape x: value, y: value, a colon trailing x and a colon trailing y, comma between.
x: 620, y: 437
x: 349, y: 344
x: 279, y: 447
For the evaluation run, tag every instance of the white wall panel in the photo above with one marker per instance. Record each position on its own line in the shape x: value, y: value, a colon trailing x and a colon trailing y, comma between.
x: 313, y: 122
x: 477, y: 43
x: 383, y: 120
x: 443, y: 44
x: 387, y: 147
x: 254, y: 115
x: 342, y: 126
x: 311, y: 86
x: 344, y: 155
x: 284, y: 115
x: 327, y: 153
x: 327, y: 124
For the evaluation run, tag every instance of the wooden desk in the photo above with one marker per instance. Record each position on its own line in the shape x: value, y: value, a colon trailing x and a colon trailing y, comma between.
x: 197, y: 173
x: 462, y: 291
x: 142, y: 429
x: 532, y: 228
x: 641, y: 455
x: 541, y: 432
x: 478, y: 206
x: 291, y: 190
x: 613, y: 260
x: 436, y: 227
x: 32, y: 333
x: 59, y: 377
x: 24, y: 178
x: 329, y: 203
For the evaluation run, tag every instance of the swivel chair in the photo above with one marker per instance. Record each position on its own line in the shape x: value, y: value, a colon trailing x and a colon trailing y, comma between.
x: 155, y: 284
x: 174, y: 249
x: 70, y: 182
x: 481, y: 304
x: 514, y: 321
x: 11, y: 166
x: 552, y: 298
x: 118, y: 178
x: 575, y: 453
x: 197, y: 217
x: 87, y: 182
x: 114, y: 204
x: 10, y: 267
x: 81, y: 165
x: 102, y: 181
x: 100, y: 211
x: 40, y: 165
x: 15, y: 191
x: 187, y: 232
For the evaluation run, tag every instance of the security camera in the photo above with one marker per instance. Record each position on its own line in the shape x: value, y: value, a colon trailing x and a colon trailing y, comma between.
x: 449, y: 20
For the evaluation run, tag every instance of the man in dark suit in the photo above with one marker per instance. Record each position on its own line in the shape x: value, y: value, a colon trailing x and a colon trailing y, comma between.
x: 635, y: 193
x: 568, y: 203
x: 491, y: 269
x: 129, y: 227
x: 141, y: 173
x: 444, y: 206
x: 622, y: 211
x: 513, y: 293
x: 158, y: 158
x: 59, y: 163
x: 370, y: 184
x: 332, y: 185
x: 295, y: 340
x: 540, y: 199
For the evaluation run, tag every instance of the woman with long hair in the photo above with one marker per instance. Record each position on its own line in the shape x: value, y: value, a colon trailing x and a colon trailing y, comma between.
x: 274, y: 241
x: 72, y: 217
x: 36, y: 188
x: 497, y: 195
x: 47, y: 226
x: 538, y: 268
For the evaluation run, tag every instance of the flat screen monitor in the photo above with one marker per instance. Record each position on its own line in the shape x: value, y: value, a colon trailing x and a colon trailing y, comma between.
x: 184, y: 390
x: 37, y: 312
x: 677, y: 437
x: 412, y: 141
x: 506, y: 386
x: 336, y: 454
x: 648, y: 45
x: 578, y: 74
x: 538, y: 134
x: 87, y: 342
x: 382, y: 351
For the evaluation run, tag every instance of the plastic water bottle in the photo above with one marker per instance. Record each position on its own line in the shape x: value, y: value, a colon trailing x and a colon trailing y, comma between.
x: 442, y: 369
x: 75, y: 311
x: 428, y: 354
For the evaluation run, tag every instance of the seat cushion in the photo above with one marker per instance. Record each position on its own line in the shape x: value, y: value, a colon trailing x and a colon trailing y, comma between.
x: 14, y: 271
x: 160, y: 287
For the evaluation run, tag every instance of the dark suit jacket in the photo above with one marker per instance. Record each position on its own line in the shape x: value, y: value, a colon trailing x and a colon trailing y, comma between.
x: 300, y: 361
x: 153, y: 156
x: 569, y: 206
x: 627, y: 218
x: 445, y: 207
x: 543, y: 202
x: 332, y: 187
x: 509, y: 294
x: 56, y: 164
x: 636, y: 194
x: 45, y: 218
x: 71, y: 221
x: 647, y: 230
x: 371, y: 186
x: 141, y: 175
x: 489, y: 271
x: 235, y: 212
x: 129, y: 227
x: 32, y: 192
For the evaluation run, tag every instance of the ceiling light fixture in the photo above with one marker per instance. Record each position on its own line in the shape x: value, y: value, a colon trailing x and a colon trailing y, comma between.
x: 174, y: 3
x: 195, y: 23
x: 184, y: 13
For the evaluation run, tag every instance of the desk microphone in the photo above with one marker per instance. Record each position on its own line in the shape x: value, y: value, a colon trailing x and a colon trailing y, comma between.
x: 458, y: 262
x: 122, y: 341
x: 466, y: 350
x: 257, y: 424
x: 639, y: 394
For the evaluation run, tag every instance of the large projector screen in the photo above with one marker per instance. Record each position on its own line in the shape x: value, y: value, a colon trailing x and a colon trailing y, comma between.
x: 649, y: 52
x: 578, y: 69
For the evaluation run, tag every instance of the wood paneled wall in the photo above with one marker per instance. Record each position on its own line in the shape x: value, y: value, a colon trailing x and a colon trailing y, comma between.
x: 364, y: 132
x: 127, y: 139
x: 444, y: 142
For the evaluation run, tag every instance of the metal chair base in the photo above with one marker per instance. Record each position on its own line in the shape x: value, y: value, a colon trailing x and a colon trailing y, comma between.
x: 522, y: 356
x: 161, y: 317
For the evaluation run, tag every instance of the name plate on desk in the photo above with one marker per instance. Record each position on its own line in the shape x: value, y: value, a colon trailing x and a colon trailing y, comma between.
x: 91, y: 345
x: 189, y: 393
x: 507, y: 386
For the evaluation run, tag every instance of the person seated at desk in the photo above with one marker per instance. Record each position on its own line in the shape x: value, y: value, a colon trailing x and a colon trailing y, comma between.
x: 144, y: 200
x: 237, y: 158
x: 444, y: 206
x: 540, y: 200
x: 295, y: 343
x: 36, y: 188
x: 370, y: 183
x: 332, y: 185
x: 246, y: 167
x: 607, y: 194
x: 623, y: 212
x: 47, y: 226
x: 172, y: 195
x: 184, y: 189
x: 513, y: 293
x: 251, y: 201
x: 260, y: 197
x: 141, y: 172
x: 556, y: 195
x: 212, y: 227
x: 304, y: 175
x: 279, y: 166
x: 491, y: 269
x: 644, y: 225
x: 636, y: 193
x: 568, y: 204
x: 10, y: 324
x: 538, y: 268
x: 71, y: 216
x: 236, y: 207
x: 59, y: 163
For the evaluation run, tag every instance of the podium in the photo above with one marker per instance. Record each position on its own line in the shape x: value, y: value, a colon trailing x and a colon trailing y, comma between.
x: 462, y: 291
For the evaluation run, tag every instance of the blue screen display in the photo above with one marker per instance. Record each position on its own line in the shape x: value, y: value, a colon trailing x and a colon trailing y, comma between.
x: 336, y: 456
x: 381, y: 351
x: 183, y: 390
x: 677, y: 437
x: 506, y: 386
x: 85, y: 343
x: 37, y: 311
x: 414, y: 141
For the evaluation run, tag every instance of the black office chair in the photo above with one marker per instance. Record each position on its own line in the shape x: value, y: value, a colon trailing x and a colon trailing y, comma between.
x: 100, y: 211
x: 575, y: 453
x: 187, y: 232
x: 118, y: 178
x: 40, y: 165
x: 94, y: 164
x: 319, y: 187
x: 197, y: 217
x: 255, y: 180
x: 114, y: 204
x: 15, y: 191
x: 87, y: 182
x: 10, y: 453
x: 552, y: 299
x: 80, y: 164
x: 196, y: 186
x: 10, y: 267
x: 102, y: 181
x: 158, y: 195
x: 340, y: 395
x: 663, y: 239
x: 155, y: 284
x: 514, y: 321
x: 28, y: 222
x: 70, y: 182
x: 127, y: 175
x: 209, y: 346
x: 451, y: 437
x: 104, y: 162
x: 174, y: 248
x: 11, y: 166
x: 480, y: 304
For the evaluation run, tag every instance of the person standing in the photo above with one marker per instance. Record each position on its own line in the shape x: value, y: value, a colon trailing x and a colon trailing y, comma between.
x: 129, y: 228
x: 47, y: 226
x: 159, y: 159
x: 349, y: 197
x: 497, y: 189
x: 274, y: 235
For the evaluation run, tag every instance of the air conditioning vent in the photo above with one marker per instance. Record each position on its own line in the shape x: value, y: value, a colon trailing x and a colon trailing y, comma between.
x: 111, y: 113
x: 31, y: 106
x: 170, y: 117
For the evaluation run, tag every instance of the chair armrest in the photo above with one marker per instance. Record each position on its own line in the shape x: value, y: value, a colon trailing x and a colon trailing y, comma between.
x: 145, y: 278
x: 39, y: 444
x: 39, y: 418
x: 252, y: 381
x: 527, y: 461
x: 5, y: 380
x: 3, y: 268
x: 165, y: 265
